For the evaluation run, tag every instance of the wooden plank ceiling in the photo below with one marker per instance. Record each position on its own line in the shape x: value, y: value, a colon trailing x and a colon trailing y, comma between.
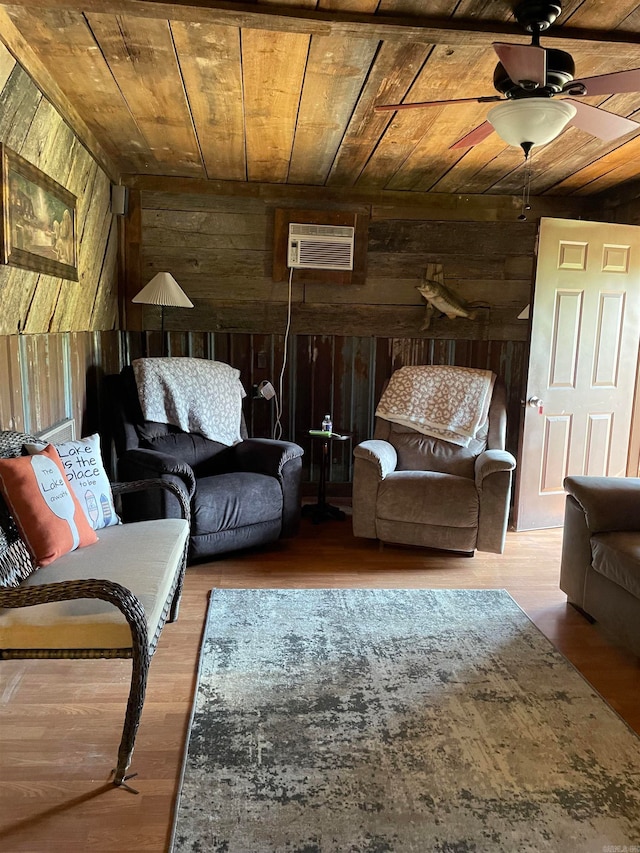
x: 285, y: 94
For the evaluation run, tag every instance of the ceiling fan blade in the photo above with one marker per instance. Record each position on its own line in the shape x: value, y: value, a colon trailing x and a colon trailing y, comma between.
x: 478, y: 134
x: 483, y: 100
x: 600, y: 123
x: 523, y: 63
x: 608, y: 84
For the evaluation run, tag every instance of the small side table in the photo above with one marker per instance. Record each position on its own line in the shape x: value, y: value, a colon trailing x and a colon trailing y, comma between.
x: 322, y: 510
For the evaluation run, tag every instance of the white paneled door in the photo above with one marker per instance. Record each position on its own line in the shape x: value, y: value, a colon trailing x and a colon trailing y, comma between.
x: 582, y: 364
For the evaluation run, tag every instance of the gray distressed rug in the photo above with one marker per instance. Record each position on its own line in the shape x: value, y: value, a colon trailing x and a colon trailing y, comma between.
x: 389, y: 721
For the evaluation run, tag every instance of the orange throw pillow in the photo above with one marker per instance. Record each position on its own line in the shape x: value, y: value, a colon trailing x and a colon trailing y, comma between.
x: 47, y: 513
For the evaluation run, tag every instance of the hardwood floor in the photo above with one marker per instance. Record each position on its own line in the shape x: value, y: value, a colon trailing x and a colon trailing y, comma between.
x: 61, y: 720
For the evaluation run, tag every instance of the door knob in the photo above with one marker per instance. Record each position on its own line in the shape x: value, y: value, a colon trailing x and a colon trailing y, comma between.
x: 536, y: 403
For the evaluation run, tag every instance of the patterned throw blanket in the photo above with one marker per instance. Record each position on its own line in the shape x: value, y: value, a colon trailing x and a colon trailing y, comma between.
x: 194, y: 394
x: 445, y: 402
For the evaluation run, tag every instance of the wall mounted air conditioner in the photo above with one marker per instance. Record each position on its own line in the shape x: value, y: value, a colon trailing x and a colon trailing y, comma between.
x: 320, y: 247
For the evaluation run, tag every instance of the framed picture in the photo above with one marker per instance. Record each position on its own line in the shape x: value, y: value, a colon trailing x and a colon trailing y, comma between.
x: 38, y: 219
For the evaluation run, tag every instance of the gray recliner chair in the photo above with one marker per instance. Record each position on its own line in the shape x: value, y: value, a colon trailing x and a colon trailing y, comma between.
x: 412, y: 489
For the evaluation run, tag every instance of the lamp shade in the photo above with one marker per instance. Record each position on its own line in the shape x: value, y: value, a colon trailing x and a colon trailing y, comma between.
x: 535, y: 121
x: 163, y: 290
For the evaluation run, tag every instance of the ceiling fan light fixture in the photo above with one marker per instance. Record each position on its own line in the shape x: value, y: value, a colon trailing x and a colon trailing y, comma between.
x: 530, y: 120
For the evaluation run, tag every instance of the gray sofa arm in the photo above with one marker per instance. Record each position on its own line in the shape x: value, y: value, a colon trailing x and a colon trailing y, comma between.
x: 375, y: 459
x: 493, y: 470
x: 608, y: 503
x: 576, y: 552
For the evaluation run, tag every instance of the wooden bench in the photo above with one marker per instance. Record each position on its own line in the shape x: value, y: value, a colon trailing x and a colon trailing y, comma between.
x: 108, y: 600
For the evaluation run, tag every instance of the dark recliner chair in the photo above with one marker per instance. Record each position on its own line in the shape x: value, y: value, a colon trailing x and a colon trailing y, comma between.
x: 240, y: 496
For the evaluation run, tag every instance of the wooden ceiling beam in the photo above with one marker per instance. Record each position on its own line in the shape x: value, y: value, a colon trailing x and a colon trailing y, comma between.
x: 449, y: 31
x: 384, y: 204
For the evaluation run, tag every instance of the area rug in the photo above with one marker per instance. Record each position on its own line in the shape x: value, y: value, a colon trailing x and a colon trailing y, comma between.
x: 398, y: 721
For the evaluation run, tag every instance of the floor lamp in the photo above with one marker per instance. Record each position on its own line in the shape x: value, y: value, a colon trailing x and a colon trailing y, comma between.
x: 165, y: 291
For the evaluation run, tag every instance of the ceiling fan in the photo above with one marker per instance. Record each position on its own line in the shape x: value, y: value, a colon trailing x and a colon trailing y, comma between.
x: 528, y: 78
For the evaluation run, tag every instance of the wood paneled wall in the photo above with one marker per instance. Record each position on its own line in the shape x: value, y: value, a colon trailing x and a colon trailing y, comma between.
x: 33, y: 303
x: 345, y: 340
x: 57, y: 376
x: 220, y: 250
x: 54, y: 333
x: 50, y: 378
x: 58, y: 338
x: 340, y: 374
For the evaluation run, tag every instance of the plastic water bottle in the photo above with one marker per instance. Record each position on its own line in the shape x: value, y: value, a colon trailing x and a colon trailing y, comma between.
x: 327, y: 426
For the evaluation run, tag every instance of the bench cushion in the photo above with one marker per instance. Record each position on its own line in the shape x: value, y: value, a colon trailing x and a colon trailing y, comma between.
x: 144, y: 557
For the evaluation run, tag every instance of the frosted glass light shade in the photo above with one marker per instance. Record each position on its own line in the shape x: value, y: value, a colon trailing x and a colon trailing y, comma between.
x: 533, y: 120
x: 163, y: 289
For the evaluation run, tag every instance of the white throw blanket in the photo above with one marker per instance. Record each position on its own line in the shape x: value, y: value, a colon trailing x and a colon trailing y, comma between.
x: 445, y: 402
x: 194, y: 394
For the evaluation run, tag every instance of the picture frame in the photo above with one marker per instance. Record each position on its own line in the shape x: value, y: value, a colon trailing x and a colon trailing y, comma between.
x: 39, y: 229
